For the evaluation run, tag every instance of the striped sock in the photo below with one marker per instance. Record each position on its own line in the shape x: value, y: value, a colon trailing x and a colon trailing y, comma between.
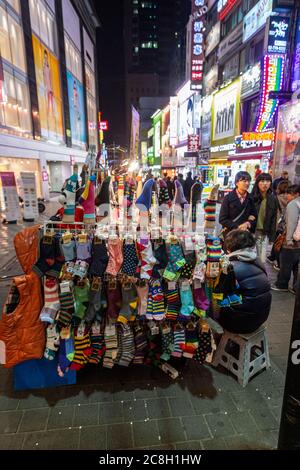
x: 173, y: 303
x: 140, y: 340
x: 82, y: 350
x: 158, y: 300
x: 179, y: 341
x: 111, y: 344
x: 127, y: 345
x: 66, y: 311
x: 97, y: 344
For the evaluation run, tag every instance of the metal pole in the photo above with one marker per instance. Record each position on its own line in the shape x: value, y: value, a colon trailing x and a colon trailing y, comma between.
x: 289, y: 432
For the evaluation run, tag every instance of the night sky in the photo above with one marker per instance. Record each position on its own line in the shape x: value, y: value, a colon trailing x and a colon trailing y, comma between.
x: 111, y: 68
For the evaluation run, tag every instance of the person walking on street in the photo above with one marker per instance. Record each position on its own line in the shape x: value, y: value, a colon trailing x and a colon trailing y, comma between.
x: 290, y: 252
x: 267, y: 207
x: 282, y: 199
x: 284, y: 177
x: 188, y: 186
x: 238, y: 208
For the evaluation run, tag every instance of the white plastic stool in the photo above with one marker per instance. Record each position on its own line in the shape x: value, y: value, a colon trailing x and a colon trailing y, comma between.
x: 251, y: 350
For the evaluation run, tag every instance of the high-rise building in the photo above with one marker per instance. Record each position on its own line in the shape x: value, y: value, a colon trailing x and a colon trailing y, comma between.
x: 152, y: 32
x: 48, y: 94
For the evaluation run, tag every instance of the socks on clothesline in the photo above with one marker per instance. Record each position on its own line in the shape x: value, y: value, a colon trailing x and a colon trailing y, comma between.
x: 129, y: 304
x: 187, y: 302
x: 51, y: 305
x: 175, y: 262
x: 52, y: 342
x: 99, y: 258
x: 173, y: 301
x: 114, y: 299
x: 66, y: 299
x: 115, y: 256
x: 83, y: 348
x: 156, y: 303
x: 111, y: 343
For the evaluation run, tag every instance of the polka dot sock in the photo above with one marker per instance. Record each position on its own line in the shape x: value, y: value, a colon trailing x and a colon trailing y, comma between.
x: 131, y: 261
x: 175, y: 262
x: 167, y: 343
x: 204, y: 348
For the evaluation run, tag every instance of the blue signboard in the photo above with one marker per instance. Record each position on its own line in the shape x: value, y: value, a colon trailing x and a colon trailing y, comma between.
x: 77, y: 114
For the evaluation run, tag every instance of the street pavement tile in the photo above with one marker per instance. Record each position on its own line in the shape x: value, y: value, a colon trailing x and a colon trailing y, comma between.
x: 61, y: 417
x: 264, y: 419
x: 243, y: 422
x: 110, y: 413
x: 158, y: 408
x: 214, y: 444
x: 219, y: 403
x: 248, y: 399
x: 78, y: 397
x: 272, y: 395
x: 196, y: 428
x: 276, y: 411
x: 189, y: 445
x: 65, y: 439
x: 34, y: 420
x: 11, y: 441
x: 251, y: 441
x: 119, y: 436
x: 33, y: 401
x: 93, y: 438
x: 86, y: 415
x: 181, y: 407
x: 168, y: 391
x: 171, y: 430
x: 8, y: 403
x: 9, y: 421
x: 134, y: 410
x: 219, y: 425
x: 123, y: 395
x: 145, y: 434
x: 100, y: 396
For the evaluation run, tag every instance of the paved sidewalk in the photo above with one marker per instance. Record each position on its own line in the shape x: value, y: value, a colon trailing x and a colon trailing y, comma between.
x: 140, y: 407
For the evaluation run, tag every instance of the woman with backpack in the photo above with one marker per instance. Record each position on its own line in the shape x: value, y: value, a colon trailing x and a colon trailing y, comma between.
x: 266, y: 205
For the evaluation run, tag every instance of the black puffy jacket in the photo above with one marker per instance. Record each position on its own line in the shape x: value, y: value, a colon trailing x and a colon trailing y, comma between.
x: 254, y: 287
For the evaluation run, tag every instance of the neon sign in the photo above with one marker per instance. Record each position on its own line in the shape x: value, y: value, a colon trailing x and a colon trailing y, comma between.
x: 197, y: 46
x: 273, y: 67
x: 225, y: 6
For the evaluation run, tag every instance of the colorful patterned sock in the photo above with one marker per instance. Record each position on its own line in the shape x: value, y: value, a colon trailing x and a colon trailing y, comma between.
x: 160, y: 254
x: 167, y: 342
x: 66, y: 299
x: 52, y: 342
x: 51, y: 304
x: 127, y: 346
x: 97, y: 344
x: 200, y: 299
x: 130, y: 259
x: 145, y: 252
x: 99, y: 258
x: 173, y: 301
x: 46, y: 255
x: 179, y: 341
x: 111, y: 344
x: 63, y: 361
x: 94, y: 304
x: 149, y: 311
x: 188, y: 269
x: 214, y: 252
x: 115, y: 261
x: 158, y: 300
x: 175, y: 262
x: 205, y: 346
x: 67, y: 334
x: 81, y: 294
x: 191, y: 342
x: 140, y: 340
x: 82, y: 348
x: 129, y: 303
x: 187, y: 303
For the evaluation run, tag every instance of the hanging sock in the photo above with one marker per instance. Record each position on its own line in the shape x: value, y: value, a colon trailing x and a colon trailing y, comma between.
x: 214, y: 252
x: 173, y: 301
x: 140, y: 340
x: 99, y: 258
x: 129, y: 304
x: 175, y: 262
x: 188, y: 269
x: 69, y: 197
x: 94, y: 303
x: 52, y: 342
x: 66, y: 299
x: 81, y: 294
x: 167, y: 342
x: 83, y: 249
x: 82, y: 347
x: 66, y: 334
x: 144, y: 201
x: 157, y: 299
x: 97, y: 344
x: 205, y: 344
x: 179, y: 340
x: 191, y: 341
x: 127, y: 346
x: 200, y: 299
x: 87, y: 200
x: 63, y: 361
x: 187, y: 302
x: 160, y: 254
x: 131, y: 261
x: 143, y: 292
x: 51, y: 304
x: 148, y: 261
x: 210, y: 208
x: 111, y: 344
x: 115, y: 256
x: 114, y: 299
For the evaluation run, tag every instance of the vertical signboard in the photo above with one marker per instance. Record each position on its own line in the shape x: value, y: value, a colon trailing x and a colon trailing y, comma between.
x: 135, y: 133
x: 9, y: 199
x: 77, y: 114
x: 199, y: 10
x: 29, y: 195
x: 173, y: 120
x: 296, y: 61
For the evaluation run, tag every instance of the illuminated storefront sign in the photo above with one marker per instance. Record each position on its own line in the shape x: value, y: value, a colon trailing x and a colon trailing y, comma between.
x: 222, y: 148
x: 103, y: 125
x: 197, y: 50
x: 226, y: 112
x: 243, y: 144
x: 173, y: 119
x: 296, y: 61
x: 225, y: 6
x: 273, y: 66
x: 278, y: 35
x: 251, y: 81
x: 259, y: 136
x: 193, y: 143
x: 256, y: 18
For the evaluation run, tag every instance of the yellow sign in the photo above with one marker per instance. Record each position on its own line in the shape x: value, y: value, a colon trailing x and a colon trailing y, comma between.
x: 49, y: 91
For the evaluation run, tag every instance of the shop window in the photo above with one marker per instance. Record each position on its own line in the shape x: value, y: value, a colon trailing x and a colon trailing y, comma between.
x: 90, y: 80
x: 43, y: 23
x: 92, y: 120
x: 11, y: 40
x: 15, y: 112
x: 73, y: 58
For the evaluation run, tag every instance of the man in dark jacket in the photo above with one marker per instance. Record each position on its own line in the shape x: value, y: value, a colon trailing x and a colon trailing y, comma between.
x: 188, y: 186
x: 238, y: 209
x: 253, y: 283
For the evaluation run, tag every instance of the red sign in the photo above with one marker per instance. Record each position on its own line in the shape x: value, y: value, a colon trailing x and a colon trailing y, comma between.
x: 199, y: 10
x: 225, y: 6
x: 193, y: 143
x: 103, y: 125
x: 270, y: 135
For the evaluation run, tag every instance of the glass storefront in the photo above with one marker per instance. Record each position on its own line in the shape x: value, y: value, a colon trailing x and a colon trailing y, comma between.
x: 91, y: 105
x: 18, y: 165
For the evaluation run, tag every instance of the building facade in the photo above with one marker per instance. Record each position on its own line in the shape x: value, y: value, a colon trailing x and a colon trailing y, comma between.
x: 48, y: 105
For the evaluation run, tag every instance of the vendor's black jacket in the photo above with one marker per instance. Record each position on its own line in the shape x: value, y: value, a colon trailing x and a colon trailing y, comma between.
x: 232, y: 207
x: 256, y: 298
x: 270, y: 221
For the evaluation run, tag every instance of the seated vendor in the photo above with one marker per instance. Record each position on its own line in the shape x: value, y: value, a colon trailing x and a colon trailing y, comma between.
x: 253, y: 285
